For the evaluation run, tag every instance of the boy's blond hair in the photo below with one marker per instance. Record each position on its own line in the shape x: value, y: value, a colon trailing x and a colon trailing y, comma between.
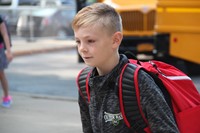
x: 98, y: 13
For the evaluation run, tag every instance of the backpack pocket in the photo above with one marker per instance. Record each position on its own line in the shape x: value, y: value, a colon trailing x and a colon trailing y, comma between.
x: 188, y: 120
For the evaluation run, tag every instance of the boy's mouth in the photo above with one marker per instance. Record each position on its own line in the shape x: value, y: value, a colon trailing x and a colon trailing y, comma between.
x: 86, y: 58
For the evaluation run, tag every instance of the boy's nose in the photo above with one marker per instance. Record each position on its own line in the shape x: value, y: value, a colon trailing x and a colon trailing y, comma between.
x: 82, y: 48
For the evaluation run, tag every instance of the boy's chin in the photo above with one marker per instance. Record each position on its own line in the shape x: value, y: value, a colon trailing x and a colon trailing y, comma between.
x: 89, y: 64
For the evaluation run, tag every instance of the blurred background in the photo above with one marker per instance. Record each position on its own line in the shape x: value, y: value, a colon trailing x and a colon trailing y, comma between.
x: 31, y: 19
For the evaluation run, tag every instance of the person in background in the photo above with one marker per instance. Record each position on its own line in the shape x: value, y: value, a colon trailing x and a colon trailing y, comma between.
x: 80, y: 4
x: 5, y: 57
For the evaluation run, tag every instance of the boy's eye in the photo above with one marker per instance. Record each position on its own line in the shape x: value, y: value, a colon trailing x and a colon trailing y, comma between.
x: 91, y: 41
x: 77, y: 42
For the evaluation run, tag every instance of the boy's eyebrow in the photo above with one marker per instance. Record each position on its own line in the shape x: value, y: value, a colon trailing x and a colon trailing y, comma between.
x: 85, y: 37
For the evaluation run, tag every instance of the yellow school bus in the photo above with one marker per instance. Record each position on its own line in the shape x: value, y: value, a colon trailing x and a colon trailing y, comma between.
x: 178, y: 31
x: 138, y: 18
x: 169, y: 30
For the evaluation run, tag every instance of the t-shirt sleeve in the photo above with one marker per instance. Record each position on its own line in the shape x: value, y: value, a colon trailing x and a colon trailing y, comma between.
x: 85, y: 117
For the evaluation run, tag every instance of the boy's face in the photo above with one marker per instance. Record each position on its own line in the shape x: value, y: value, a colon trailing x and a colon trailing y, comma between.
x: 95, y: 45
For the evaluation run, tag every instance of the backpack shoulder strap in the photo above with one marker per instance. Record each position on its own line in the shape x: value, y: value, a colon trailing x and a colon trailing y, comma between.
x: 82, y: 83
x: 129, y: 97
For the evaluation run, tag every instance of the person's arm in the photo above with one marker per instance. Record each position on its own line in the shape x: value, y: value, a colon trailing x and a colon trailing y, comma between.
x: 85, y: 117
x: 7, y: 42
x: 155, y: 108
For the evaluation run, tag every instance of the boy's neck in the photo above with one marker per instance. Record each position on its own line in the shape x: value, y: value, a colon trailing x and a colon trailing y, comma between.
x: 108, y: 67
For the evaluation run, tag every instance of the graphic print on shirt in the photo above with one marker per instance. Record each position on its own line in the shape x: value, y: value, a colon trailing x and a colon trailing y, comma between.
x: 114, y: 118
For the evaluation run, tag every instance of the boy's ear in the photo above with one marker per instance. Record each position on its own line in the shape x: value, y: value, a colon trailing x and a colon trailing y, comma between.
x: 117, y: 38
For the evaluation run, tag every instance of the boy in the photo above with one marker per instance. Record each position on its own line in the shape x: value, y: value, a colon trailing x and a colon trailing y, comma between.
x: 5, y: 57
x: 98, y: 34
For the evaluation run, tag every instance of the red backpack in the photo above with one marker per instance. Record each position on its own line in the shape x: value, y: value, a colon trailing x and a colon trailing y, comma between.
x: 178, y: 89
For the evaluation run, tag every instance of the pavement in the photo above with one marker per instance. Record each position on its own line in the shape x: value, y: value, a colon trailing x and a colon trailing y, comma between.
x: 22, y: 47
x: 31, y: 113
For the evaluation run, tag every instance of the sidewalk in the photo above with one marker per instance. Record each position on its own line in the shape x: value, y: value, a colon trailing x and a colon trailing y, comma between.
x: 37, y: 114
x: 22, y: 47
x: 40, y: 114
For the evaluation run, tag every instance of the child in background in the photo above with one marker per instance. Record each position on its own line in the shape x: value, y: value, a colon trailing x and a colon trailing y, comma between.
x: 5, y: 57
